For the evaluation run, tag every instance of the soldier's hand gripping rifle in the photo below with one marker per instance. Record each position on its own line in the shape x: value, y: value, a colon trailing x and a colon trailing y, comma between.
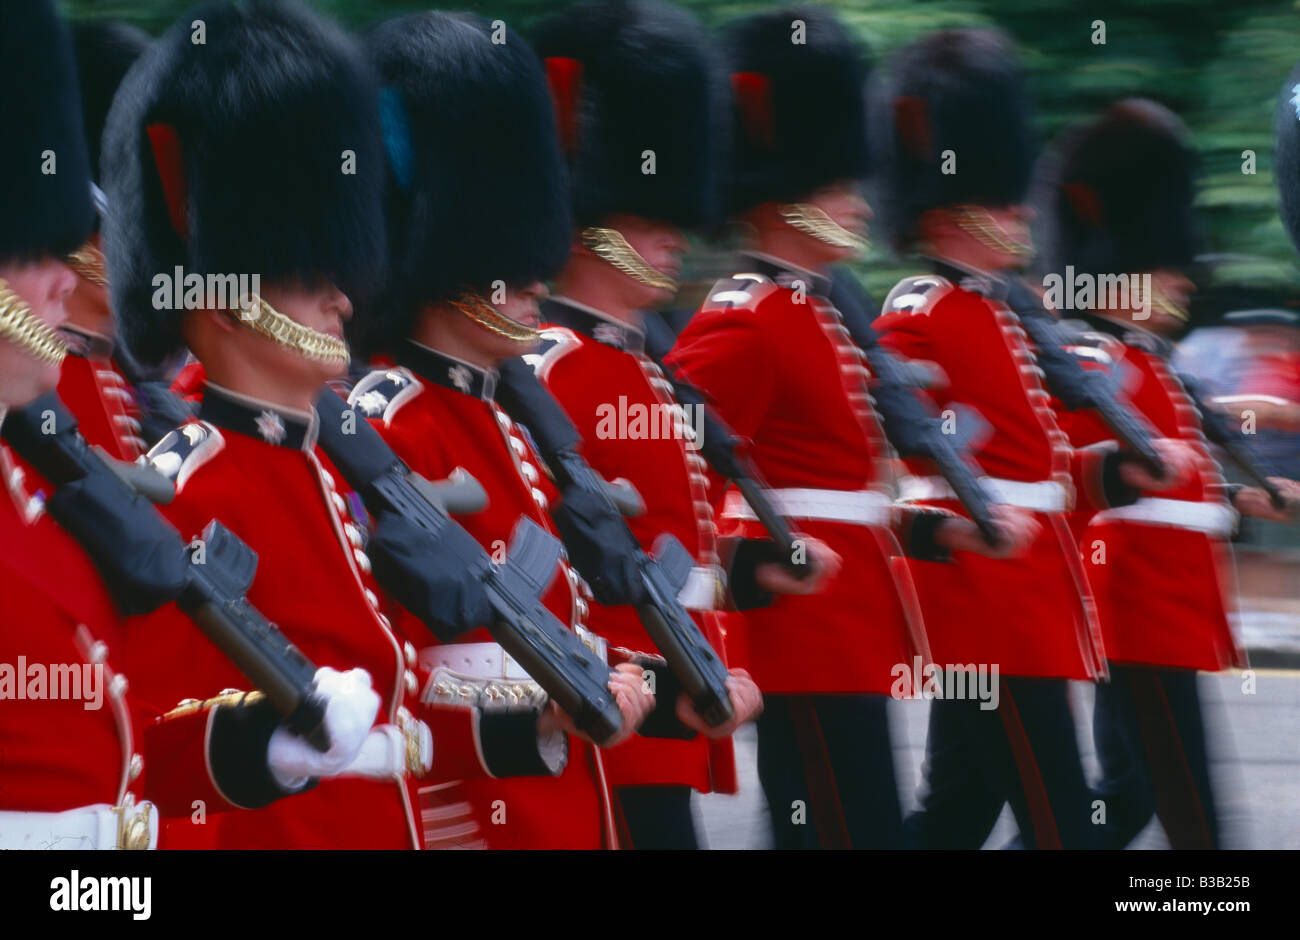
x: 145, y: 562
x: 552, y: 654
x: 1218, y: 431
x: 1077, y: 387
x: 910, y: 427
x: 652, y: 584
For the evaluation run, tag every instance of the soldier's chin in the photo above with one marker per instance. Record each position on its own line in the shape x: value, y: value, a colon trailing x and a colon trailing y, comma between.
x: 21, y: 386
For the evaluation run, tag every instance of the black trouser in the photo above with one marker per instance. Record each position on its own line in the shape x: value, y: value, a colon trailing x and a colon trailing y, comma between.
x: 657, y: 817
x: 1150, y: 738
x: 827, y: 770
x: 1023, y: 752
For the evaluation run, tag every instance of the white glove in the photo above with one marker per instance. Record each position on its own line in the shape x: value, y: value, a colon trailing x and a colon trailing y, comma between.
x: 392, y: 751
x: 350, y: 707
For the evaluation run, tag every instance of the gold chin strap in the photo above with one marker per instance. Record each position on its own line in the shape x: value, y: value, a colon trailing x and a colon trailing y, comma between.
x: 261, y: 317
x: 88, y: 262
x: 473, y: 305
x: 1162, y: 303
x: 813, y: 221
x: 980, y: 225
x: 610, y: 246
x: 27, y: 331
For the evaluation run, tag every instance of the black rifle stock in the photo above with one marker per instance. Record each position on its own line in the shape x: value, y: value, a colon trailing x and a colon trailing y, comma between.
x: 721, y: 448
x: 1217, y: 431
x: 1076, y: 387
x: 692, y: 660
x: 910, y: 426
x: 554, y: 656
x: 145, y: 562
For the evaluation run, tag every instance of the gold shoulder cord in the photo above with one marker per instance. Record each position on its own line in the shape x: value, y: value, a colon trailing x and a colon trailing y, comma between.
x: 610, y: 246
x: 261, y: 317
x: 88, y: 262
x: 473, y: 305
x: 26, y: 330
x: 980, y: 225
x: 813, y: 221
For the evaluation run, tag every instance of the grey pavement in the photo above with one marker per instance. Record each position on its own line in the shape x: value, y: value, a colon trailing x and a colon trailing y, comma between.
x: 1254, y: 741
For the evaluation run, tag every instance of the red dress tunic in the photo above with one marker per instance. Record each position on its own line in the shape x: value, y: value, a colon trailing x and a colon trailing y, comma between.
x: 437, y: 413
x: 1161, y: 570
x: 597, y: 369
x: 781, y: 371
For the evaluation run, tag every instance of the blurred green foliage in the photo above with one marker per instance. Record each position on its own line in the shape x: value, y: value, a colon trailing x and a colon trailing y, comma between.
x: 1218, y: 63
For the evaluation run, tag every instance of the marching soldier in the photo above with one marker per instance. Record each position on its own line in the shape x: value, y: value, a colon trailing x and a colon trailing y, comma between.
x: 959, y: 95
x: 1119, y: 201
x: 70, y: 731
x: 477, y: 219
x: 770, y: 351
x: 190, y: 193
x: 592, y: 356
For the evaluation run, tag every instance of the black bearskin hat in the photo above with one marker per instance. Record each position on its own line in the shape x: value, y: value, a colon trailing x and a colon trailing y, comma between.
x: 106, y: 50
x: 44, y: 167
x: 475, y: 177
x: 254, y: 151
x: 1117, y: 192
x: 1286, y: 154
x: 958, y: 93
x: 798, y: 93
x: 627, y: 77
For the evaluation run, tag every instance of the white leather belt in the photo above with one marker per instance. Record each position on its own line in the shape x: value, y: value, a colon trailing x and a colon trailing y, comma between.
x: 100, y: 826
x: 473, y: 660
x: 701, y: 590
x: 862, y: 507
x: 1039, y: 495
x: 489, y: 661
x: 1215, y: 519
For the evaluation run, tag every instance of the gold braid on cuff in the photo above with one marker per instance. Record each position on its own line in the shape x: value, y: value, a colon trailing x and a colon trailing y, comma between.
x: 473, y: 305
x: 27, y: 331
x: 980, y: 225
x: 88, y: 262
x: 610, y: 246
x: 261, y: 317
x: 813, y: 221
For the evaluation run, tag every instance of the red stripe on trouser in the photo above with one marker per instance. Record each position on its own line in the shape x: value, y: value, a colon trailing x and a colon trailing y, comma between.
x: 1178, y: 802
x: 1046, y: 835
x: 823, y: 794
